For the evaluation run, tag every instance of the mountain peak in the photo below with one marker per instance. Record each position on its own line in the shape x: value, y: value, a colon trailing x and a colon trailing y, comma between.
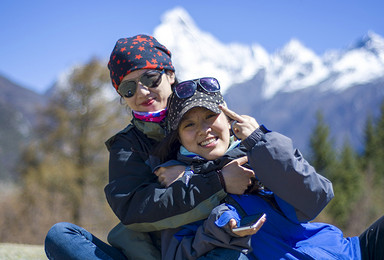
x: 371, y: 41
x: 293, y: 45
x: 359, y: 64
x: 196, y: 53
x: 295, y: 50
x: 177, y: 15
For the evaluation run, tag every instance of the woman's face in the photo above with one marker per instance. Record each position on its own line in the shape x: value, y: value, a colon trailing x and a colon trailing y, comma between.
x: 205, y: 133
x: 150, y: 99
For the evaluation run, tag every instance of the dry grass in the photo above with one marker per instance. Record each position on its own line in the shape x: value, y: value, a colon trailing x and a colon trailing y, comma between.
x: 21, y: 252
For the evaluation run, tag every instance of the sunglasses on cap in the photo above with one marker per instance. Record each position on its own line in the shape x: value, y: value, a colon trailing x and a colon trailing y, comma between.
x: 150, y: 79
x: 187, y: 88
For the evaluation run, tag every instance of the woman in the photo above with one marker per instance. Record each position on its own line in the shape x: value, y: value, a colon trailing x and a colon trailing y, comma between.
x: 142, y: 73
x: 200, y: 138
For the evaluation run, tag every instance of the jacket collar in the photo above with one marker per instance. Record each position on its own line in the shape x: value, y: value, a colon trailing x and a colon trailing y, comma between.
x: 150, y: 129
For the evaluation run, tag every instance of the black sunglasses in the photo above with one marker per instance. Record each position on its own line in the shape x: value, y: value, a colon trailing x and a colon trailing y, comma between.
x: 187, y: 88
x: 150, y: 79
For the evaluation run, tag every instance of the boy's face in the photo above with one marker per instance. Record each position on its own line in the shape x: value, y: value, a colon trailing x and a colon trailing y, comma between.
x: 205, y: 133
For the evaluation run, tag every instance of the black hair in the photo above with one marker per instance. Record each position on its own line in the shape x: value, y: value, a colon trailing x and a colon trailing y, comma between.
x: 168, y: 148
x: 176, y: 80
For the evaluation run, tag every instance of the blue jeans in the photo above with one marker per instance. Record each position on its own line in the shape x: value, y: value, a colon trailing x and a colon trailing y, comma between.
x: 224, y: 254
x: 68, y: 241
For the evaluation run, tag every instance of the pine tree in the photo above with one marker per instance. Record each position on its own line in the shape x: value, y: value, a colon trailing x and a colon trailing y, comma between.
x: 369, y: 156
x: 373, y: 167
x: 347, y: 182
x: 370, y: 139
x: 378, y: 155
x: 323, y: 155
x: 373, y: 155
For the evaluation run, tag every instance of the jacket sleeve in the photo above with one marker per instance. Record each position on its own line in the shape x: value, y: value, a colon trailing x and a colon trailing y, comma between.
x: 197, y: 239
x: 299, y: 190
x: 142, y: 204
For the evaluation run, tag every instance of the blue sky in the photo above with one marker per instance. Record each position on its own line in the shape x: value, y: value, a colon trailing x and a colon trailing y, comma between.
x: 41, y: 38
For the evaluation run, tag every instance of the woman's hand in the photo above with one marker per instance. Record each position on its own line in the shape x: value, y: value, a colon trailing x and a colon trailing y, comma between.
x: 249, y: 232
x: 236, y: 177
x: 243, y: 125
x: 168, y: 175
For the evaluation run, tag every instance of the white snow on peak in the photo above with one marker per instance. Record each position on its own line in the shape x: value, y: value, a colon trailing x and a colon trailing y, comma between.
x: 372, y: 42
x: 293, y: 67
x: 198, y: 54
x: 178, y: 15
x: 359, y: 64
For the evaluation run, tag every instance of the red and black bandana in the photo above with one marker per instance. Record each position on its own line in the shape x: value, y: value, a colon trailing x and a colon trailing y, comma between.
x: 137, y: 52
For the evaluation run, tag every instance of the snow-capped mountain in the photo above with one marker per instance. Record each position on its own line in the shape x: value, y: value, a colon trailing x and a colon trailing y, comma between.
x: 285, y: 89
x: 293, y: 67
x: 359, y: 64
x: 196, y: 53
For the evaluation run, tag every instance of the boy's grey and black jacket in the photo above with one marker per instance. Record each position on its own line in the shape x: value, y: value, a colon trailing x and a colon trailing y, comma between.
x: 279, y: 167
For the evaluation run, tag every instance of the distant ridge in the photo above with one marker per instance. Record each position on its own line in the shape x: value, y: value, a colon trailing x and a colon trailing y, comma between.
x: 18, y: 114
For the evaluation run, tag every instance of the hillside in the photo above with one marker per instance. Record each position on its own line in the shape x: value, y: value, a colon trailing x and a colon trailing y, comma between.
x: 294, y: 113
x: 18, y: 115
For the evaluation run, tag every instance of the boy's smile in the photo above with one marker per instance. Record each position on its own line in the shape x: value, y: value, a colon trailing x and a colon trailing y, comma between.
x: 205, y: 133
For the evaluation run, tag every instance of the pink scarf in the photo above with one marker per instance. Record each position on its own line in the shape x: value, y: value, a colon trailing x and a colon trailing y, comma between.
x: 155, y: 117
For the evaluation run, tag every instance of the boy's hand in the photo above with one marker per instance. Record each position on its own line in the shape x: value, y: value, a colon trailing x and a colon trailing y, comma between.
x: 249, y: 232
x: 242, y: 126
x: 168, y: 175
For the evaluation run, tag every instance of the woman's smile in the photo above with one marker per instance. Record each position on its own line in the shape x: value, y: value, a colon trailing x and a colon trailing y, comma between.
x: 148, y: 102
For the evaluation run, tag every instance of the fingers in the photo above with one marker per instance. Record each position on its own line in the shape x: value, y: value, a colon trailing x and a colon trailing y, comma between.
x: 254, y: 230
x: 232, y: 223
x: 159, y: 171
x: 160, y: 177
x: 234, y: 130
x: 261, y: 222
x: 250, y: 173
x: 241, y: 160
x: 231, y: 114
